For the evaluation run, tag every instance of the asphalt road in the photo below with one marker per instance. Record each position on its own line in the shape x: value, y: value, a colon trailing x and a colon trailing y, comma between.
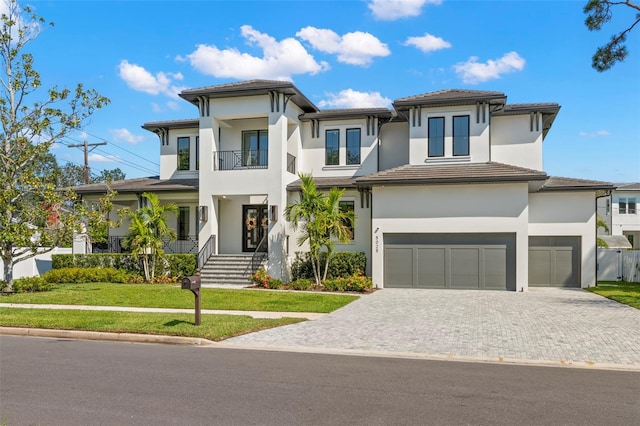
x: 66, y: 382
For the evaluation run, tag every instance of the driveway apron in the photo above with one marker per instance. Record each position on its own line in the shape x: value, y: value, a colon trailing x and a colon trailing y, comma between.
x: 572, y: 326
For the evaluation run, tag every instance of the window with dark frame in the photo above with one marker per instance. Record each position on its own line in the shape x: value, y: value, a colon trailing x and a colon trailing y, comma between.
x: 183, y: 223
x: 255, y: 147
x: 348, y: 206
x: 631, y: 206
x: 332, y: 147
x: 622, y: 206
x: 353, y: 146
x: 436, y: 137
x: 184, y: 154
x: 197, y: 152
x: 461, y: 135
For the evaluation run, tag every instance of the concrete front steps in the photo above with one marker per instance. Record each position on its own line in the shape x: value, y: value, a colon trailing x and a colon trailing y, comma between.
x: 229, y: 270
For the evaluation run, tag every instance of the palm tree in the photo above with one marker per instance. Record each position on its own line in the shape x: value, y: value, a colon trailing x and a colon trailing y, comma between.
x: 321, y: 221
x: 601, y: 224
x: 148, y: 229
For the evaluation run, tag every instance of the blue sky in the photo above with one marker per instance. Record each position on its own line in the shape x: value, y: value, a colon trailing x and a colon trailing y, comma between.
x: 341, y: 54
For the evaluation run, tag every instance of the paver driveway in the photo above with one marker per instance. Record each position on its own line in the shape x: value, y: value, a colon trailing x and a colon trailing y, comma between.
x: 557, y: 325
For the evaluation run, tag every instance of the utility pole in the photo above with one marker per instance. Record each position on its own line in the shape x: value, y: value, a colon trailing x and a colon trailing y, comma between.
x: 86, y: 146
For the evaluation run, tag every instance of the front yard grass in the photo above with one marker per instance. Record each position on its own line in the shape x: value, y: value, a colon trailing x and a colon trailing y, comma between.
x: 213, y: 327
x: 171, y: 296
x: 620, y: 291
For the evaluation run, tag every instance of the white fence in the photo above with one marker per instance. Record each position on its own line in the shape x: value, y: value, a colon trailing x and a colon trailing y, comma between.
x: 37, y: 265
x: 618, y: 265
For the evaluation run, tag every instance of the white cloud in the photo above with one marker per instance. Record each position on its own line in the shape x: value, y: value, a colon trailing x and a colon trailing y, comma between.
x: 142, y: 80
x: 280, y: 60
x: 356, y: 48
x: 428, y: 43
x: 156, y: 107
x: 98, y: 158
x: 594, y: 134
x: 125, y: 135
x: 390, y: 10
x: 350, y: 98
x: 473, y: 72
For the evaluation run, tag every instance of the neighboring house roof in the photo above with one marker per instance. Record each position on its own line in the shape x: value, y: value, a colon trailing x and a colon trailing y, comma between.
x: 171, y: 124
x: 451, y: 97
x: 344, y: 114
x: 616, y: 241
x: 325, y: 183
x: 555, y: 183
x: 635, y: 186
x: 452, y: 173
x: 248, y: 88
x: 146, y: 184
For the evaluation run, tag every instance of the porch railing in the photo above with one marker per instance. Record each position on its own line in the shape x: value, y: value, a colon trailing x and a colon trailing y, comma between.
x: 239, y: 160
x: 207, y: 250
x: 291, y: 164
x: 184, y: 245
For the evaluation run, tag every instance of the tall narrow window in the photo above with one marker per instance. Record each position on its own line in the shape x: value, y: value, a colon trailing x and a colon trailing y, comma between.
x: 255, y: 148
x: 197, y: 152
x: 332, y: 147
x: 622, y: 206
x: 631, y: 206
x: 184, y: 154
x: 353, y: 146
x: 436, y: 137
x: 461, y: 135
x: 348, y: 206
x: 183, y: 223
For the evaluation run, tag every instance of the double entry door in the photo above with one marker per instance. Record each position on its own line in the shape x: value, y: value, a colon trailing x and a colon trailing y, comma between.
x: 255, y: 225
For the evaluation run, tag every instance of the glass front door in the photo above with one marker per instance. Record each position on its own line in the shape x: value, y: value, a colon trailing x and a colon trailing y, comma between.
x: 254, y: 227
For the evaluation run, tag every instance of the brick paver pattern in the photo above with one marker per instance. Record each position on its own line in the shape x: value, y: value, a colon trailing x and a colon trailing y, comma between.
x: 541, y: 324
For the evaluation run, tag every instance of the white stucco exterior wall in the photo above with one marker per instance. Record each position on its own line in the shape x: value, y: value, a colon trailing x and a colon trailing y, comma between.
x: 474, y: 208
x: 567, y: 214
x: 513, y: 141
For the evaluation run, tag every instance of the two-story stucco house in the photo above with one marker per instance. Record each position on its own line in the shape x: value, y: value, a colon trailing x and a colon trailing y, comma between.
x: 448, y: 187
x: 619, y: 211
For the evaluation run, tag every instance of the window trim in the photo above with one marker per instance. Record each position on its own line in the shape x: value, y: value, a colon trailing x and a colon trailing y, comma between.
x: 632, y: 205
x: 622, y: 202
x: 262, y: 156
x: 337, y: 150
x: 453, y: 133
x: 359, y: 145
x: 179, y: 156
x: 441, y: 139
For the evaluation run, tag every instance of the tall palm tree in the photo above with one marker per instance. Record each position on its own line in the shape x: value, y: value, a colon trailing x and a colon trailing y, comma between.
x: 321, y: 221
x: 148, y: 229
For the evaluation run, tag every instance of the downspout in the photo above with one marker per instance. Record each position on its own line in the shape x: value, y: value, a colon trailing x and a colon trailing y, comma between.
x: 607, y: 193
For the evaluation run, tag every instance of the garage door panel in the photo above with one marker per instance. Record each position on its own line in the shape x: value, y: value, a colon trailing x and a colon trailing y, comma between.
x: 554, y: 261
x: 431, y: 267
x: 565, y: 273
x: 465, y: 268
x: 495, y: 271
x: 539, y: 266
x: 398, y: 267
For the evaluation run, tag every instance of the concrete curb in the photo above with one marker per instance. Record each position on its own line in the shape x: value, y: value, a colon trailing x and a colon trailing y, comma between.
x: 100, y: 335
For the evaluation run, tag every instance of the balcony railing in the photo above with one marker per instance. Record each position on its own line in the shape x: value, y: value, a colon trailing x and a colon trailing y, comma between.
x: 240, y: 160
x: 184, y: 245
x: 291, y: 164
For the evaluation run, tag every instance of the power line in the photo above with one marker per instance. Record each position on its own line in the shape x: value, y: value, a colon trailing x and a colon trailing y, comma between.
x: 86, y: 146
x: 124, y: 149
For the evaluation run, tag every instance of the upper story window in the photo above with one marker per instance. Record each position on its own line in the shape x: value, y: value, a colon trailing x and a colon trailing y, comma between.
x: 184, y: 153
x: 197, y: 152
x: 461, y: 135
x: 353, y: 146
x: 332, y: 147
x: 627, y: 206
x: 255, y: 147
x: 436, y: 137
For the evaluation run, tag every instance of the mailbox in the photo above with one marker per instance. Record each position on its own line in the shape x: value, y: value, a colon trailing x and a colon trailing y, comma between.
x: 191, y: 283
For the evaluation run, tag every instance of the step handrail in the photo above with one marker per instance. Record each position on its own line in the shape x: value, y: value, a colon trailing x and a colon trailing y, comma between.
x: 208, y: 249
x: 254, y: 267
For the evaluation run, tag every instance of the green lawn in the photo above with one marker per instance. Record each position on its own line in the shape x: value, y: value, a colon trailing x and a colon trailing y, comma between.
x: 620, y: 291
x: 171, y: 296
x: 213, y: 327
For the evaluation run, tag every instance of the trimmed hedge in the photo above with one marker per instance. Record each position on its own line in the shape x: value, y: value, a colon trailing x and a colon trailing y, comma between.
x: 90, y: 275
x: 173, y: 265
x: 342, y: 264
x: 30, y: 285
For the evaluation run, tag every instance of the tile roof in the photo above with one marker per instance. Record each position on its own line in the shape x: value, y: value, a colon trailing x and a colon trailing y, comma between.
x: 240, y: 85
x: 556, y: 183
x: 325, y: 183
x: 452, y: 173
x: 635, y: 186
x: 151, y: 184
x: 455, y: 96
x: 173, y: 124
x: 512, y: 109
x: 347, y: 113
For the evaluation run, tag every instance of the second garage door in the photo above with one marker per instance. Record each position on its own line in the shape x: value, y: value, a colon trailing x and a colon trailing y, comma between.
x: 457, y: 261
x: 554, y: 262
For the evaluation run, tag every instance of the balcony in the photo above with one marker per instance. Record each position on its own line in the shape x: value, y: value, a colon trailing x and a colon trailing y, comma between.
x: 241, y: 160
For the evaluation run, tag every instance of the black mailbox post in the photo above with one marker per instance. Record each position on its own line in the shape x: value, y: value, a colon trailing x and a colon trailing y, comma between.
x: 193, y: 283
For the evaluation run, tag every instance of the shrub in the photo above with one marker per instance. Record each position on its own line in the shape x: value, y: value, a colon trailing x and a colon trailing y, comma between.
x: 173, y: 265
x: 275, y: 284
x: 261, y: 278
x: 341, y: 265
x: 181, y: 265
x: 356, y: 282
x: 301, y: 284
x: 30, y: 285
x: 89, y: 275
